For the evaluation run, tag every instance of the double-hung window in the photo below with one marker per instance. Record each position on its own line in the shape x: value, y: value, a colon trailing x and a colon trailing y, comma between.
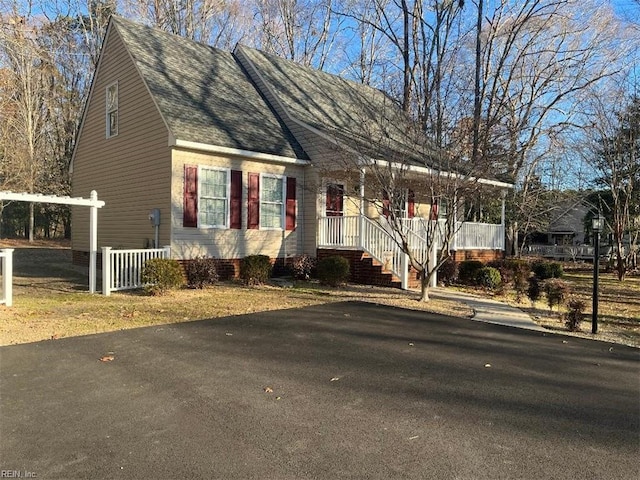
x: 272, y: 201
x: 214, y: 191
x: 112, y: 110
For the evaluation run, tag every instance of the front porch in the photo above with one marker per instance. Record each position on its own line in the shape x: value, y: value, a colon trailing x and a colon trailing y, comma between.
x: 375, y: 240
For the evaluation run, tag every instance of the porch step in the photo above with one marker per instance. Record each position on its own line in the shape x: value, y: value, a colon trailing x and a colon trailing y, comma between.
x: 386, y: 276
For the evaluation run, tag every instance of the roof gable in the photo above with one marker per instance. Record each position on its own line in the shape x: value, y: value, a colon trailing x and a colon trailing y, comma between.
x: 203, y: 94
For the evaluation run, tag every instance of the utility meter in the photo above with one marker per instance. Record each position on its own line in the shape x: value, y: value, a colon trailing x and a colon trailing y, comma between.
x: 154, y: 217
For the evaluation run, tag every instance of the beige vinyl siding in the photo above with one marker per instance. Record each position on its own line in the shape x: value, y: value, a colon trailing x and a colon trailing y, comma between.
x: 130, y: 171
x: 188, y: 242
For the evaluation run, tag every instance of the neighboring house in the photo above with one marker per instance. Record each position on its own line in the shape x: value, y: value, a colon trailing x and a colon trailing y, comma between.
x: 234, y: 150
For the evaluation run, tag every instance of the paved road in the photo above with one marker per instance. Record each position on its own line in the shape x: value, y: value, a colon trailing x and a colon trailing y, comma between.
x: 359, y: 391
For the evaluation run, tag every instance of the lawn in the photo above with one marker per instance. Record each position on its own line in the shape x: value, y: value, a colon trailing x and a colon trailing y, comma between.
x: 51, y: 301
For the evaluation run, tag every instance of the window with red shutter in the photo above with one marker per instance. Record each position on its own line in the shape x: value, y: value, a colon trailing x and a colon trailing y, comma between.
x: 190, y: 206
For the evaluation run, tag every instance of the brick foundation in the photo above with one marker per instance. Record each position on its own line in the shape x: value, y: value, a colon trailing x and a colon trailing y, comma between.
x: 484, y: 256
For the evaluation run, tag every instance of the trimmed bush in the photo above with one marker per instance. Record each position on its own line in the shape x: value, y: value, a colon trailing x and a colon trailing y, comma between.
x: 448, y: 271
x: 333, y: 270
x: 161, y: 275
x: 201, y: 272
x: 534, y: 290
x: 255, y: 269
x: 489, y: 278
x: 575, y: 315
x: 468, y: 271
x: 556, y: 291
x: 545, y: 270
x: 301, y: 266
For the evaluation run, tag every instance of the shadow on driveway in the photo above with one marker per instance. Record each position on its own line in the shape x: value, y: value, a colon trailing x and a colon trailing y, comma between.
x: 353, y: 390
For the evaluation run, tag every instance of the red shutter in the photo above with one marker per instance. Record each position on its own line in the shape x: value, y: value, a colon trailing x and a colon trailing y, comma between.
x: 411, y: 204
x: 253, y: 204
x: 385, y: 204
x: 190, y: 207
x: 291, y: 203
x: 434, y: 210
x: 235, y: 211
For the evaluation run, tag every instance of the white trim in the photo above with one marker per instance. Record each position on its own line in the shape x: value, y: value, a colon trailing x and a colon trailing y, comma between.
x: 228, y: 197
x: 431, y: 171
x: 37, y: 197
x: 236, y: 152
x: 283, y: 207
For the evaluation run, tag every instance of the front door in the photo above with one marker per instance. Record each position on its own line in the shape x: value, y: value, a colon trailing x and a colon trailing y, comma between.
x: 335, y: 200
x: 334, y: 209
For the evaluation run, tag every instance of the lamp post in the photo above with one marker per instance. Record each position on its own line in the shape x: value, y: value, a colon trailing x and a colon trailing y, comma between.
x: 597, y: 225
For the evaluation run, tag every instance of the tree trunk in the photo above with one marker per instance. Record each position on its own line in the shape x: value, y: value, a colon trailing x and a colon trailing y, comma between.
x: 424, y: 286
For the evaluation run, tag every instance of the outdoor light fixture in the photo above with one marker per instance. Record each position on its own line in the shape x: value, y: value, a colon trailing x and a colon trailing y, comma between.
x: 597, y: 225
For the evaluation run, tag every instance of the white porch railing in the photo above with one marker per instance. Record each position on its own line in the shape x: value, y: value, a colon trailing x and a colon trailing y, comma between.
x: 378, y: 241
x: 479, y: 236
x: 6, y: 269
x: 560, y: 251
x: 122, y: 269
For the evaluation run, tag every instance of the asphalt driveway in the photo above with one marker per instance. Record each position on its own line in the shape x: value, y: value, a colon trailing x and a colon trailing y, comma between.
x: 349, y: 390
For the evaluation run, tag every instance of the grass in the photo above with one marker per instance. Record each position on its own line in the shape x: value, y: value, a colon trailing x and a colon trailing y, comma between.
x: 51, y: 301
x: 618, y: 306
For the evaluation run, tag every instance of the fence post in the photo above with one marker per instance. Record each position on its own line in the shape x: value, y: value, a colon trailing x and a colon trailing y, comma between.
x: 434, y: 261
x: 167, y: 251
x: 106, y: 271
x: 7, y: 276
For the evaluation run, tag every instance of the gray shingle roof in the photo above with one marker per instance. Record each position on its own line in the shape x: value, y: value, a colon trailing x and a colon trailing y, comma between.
x: 203, y: 93
x: 358, y: 116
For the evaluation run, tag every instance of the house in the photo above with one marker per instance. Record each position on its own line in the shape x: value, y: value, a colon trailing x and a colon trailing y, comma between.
x: 236, y: 150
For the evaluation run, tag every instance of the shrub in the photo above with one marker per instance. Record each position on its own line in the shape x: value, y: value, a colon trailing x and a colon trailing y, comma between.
x: 545, y: 270
x: 556, y: 291
x: 448, y: 271
x: 468, y: 271
x: 302, y: 266
x: 161, y: 275
x: 534, y: 290
x: 512, y: 270
x: 489, y: 278
x: 201, y: 272
x: 255, y: 269
x: 333, y: 270
x: 575, y: 315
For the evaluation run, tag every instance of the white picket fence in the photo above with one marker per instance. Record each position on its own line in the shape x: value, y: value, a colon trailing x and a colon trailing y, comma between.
x: 122, y: 269
x: 6, y: 269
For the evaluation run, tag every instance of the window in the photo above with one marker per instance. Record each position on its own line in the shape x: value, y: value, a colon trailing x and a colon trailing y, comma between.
x: 272, y: 202
x: 402, y: 203
x: 112, y: 110
x: 214, y: 197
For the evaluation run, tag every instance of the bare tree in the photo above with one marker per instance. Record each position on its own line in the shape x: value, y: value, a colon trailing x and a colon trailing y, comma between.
x: 614, y: 153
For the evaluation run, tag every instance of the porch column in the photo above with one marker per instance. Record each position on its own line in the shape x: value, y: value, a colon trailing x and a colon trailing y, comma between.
x: 361, y: 219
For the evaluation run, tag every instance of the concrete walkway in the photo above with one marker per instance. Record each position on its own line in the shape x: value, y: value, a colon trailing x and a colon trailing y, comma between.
x: 489, y: 310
